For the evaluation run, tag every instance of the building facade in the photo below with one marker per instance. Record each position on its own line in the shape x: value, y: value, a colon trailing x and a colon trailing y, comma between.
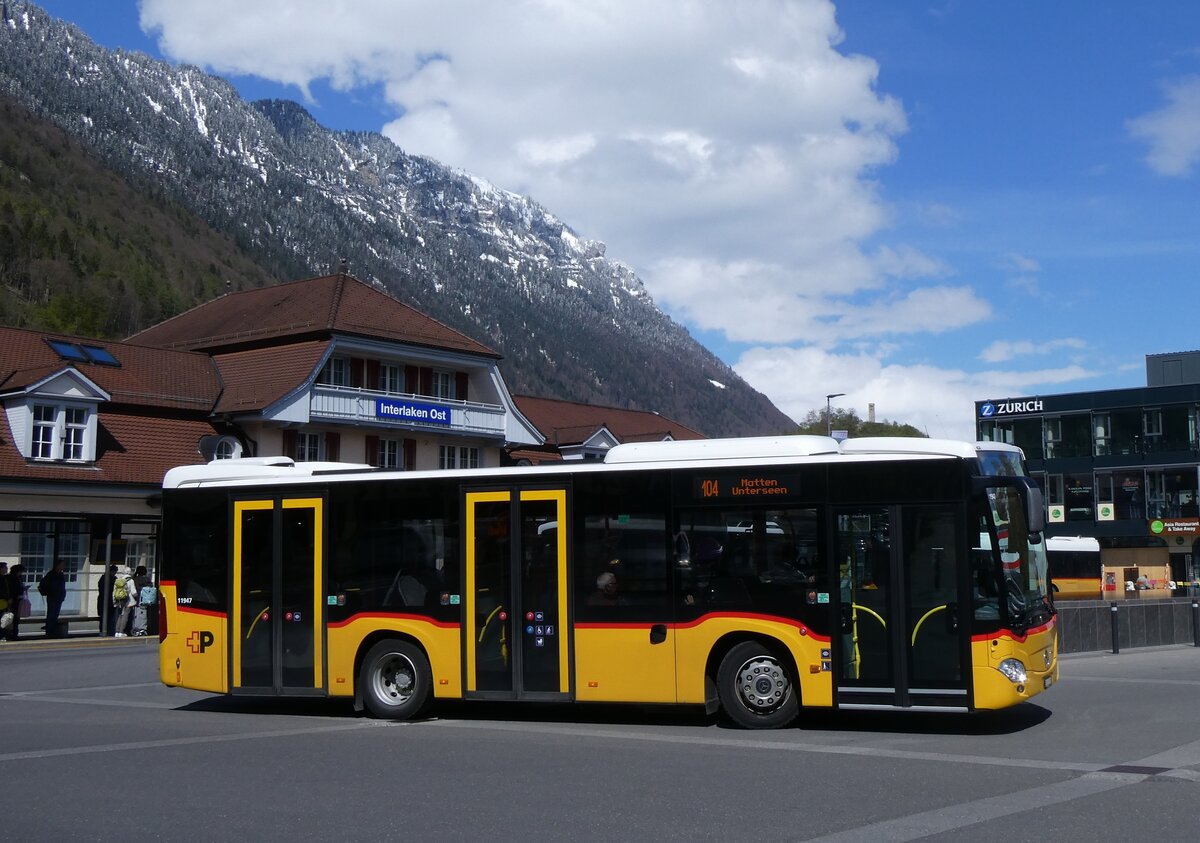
x: 1120, y: 465
x: 326, y: 369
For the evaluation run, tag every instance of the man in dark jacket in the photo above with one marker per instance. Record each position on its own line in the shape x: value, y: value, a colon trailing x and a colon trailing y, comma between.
x: 53, y: 586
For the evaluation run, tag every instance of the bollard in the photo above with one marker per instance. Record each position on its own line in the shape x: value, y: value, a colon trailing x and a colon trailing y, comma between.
x: 1112, y: 614
x: 1195, y: 622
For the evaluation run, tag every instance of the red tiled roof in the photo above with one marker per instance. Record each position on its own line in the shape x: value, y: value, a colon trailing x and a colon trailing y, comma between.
x: 132, y: 449
x: 570, y: 423
x: 256, y: 379
x: 316, y: 307
x: 145, y: 377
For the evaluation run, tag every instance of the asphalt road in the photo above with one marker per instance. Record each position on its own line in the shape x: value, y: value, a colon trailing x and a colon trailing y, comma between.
x: 92, y: 747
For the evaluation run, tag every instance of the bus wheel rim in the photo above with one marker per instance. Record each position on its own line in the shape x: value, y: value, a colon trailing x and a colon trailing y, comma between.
x: 762, y: 684
x: 395, y: 679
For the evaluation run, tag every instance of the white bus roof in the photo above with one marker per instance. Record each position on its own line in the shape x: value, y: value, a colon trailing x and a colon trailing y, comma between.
x: 1077, y: 543
x: 759, y: 451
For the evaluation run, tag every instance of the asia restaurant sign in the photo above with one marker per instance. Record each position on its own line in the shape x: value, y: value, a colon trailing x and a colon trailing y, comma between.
x: 1175, y: 527
x: 1018, y: 407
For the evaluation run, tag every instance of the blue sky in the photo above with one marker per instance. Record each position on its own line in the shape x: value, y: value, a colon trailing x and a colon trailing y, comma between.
x: 917, y: 204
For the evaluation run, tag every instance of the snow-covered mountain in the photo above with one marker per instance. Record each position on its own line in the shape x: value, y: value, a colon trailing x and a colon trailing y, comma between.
x: 570, y: 322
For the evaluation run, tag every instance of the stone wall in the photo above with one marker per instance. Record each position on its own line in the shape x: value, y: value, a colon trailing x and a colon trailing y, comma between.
x: 1086, y: 625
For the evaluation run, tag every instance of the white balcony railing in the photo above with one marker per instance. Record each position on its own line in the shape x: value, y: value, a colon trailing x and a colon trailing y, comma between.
x: 405, y: 412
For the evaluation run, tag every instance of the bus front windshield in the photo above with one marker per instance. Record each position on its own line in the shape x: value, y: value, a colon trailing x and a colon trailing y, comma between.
x: 1022, y: 568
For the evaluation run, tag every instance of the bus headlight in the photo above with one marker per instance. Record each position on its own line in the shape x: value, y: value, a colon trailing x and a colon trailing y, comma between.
x: 1014, y: 669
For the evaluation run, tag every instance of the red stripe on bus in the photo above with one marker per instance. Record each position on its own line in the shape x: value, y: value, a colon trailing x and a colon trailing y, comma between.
x: 393, y: 617
x: 208, y: 613
x: 1008, y: 633
x: 804, y: 630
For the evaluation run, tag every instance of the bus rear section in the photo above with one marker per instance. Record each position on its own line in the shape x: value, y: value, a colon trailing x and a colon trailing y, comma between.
x: 1074, y: 567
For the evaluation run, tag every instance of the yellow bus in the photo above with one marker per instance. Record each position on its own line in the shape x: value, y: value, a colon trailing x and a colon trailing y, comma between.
x: 1074, y: 567
x: 754, y: 576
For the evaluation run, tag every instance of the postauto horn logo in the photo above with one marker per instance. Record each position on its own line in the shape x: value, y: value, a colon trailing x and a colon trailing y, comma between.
x: 991, y: 409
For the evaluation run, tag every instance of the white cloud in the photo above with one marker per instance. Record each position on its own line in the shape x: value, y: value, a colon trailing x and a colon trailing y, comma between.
x: 1173, y: 131
x: 1001, y: 351
x: 938, y: 401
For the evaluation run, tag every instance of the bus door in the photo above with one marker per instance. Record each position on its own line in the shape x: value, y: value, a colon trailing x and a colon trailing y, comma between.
x: 903, y: 641
x: 515, y: 618
x: 276, y: 600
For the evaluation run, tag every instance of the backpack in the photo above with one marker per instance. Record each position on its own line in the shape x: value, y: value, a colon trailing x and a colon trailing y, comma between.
x: 120, y: 590
x: 42, y: 590
x: 148, y: 596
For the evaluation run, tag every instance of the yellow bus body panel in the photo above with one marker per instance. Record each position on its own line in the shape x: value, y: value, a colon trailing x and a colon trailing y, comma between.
x: 1075, y: 588
x: 1038, y: 651
x: 619, y: 664
x: 441, y: 643
x: 194, y: 652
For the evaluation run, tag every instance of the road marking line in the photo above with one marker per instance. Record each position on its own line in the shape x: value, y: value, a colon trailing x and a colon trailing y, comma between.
x: 778, y: 746
x: 169, y: 742
x: 963, y: 814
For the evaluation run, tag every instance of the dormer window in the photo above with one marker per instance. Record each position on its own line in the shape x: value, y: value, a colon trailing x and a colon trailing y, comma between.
x: 60, y: 432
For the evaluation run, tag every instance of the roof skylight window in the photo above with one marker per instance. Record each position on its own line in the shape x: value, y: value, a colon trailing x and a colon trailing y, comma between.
x: 83, y: 353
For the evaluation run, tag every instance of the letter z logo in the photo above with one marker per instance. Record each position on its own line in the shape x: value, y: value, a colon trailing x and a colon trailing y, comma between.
x: 987, y: 410
x: 200, y: 640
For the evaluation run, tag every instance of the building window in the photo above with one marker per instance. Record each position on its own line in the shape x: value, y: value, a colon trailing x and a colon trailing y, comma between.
x: 450, y: 456
x: 336, y: 372
x: 1102, y: 425
x: 391, y: 378
x: 75, y: 434
x: 443, y: 385
x: 308, y: 447
x: 44, y: 421
x: 1152, y: 422
x: 60, y: 433
x: 390, y: 453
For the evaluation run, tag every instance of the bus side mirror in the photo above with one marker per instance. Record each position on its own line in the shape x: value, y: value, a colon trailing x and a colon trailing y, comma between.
x: 1035, y: 515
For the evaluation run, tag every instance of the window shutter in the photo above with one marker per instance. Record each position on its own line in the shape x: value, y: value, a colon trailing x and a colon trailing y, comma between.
x: 410, y: 454
x: 426, y: 381
x: 289, y: 443
x: 411, y: 380
x: 333, y: 446
x: 356, y: 371
x: 372, y: 452
x: 372, y: 381
x: 460, y: 386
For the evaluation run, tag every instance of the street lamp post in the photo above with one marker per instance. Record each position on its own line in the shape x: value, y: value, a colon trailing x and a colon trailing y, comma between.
x: 829, y: 411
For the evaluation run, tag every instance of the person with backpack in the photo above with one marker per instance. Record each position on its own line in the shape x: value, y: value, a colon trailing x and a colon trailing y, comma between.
x: 53, y: 587
x: 123, y: 601
x: 146, y: 595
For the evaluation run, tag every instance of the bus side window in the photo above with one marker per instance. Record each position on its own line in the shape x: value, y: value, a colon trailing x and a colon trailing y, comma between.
x: 985, y: 593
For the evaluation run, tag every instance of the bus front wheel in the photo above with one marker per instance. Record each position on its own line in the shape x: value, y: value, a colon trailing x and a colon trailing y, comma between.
x: 755, y: 688
x: 395, y: 680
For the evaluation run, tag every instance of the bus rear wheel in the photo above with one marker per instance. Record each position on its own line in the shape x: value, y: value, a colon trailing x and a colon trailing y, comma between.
x: 395, y: 680
x: 756, y: 689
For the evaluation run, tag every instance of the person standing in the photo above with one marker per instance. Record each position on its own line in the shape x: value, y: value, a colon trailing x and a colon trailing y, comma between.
x: 16, y: 592
x: 104, y: 602
x: 5, y: 603
x: 124, y: 599
x: 143, y: 592
x: 53, y: 587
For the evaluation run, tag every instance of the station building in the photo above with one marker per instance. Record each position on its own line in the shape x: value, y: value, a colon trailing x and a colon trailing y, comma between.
x: 325, y: 369
x: 1120, y: 465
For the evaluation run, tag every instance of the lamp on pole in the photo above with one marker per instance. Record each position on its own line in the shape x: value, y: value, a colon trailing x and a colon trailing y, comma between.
x: 829, y: 411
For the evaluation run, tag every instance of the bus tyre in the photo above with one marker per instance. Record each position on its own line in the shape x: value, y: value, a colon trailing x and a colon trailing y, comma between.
x: 395, y: 680
x: 755, y: 688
